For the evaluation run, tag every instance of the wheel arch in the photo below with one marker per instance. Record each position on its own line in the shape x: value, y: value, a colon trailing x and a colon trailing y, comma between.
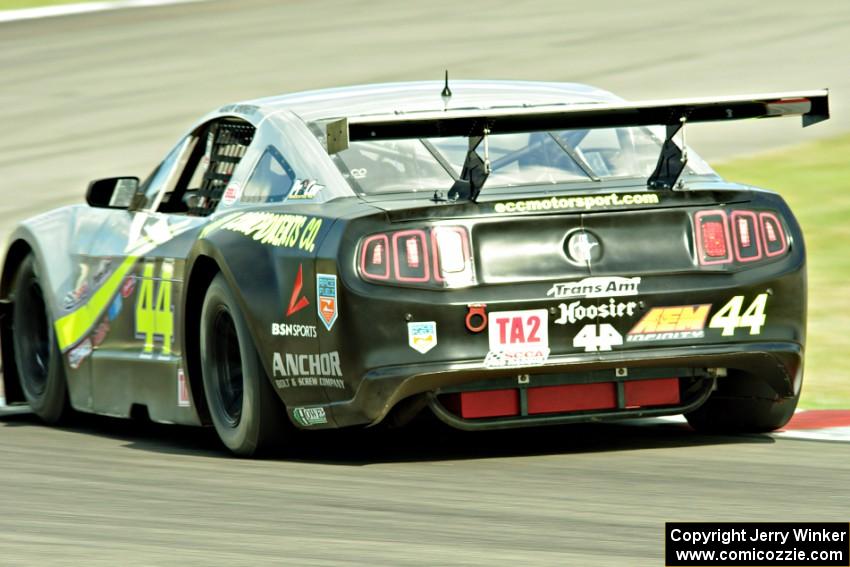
x: 18, y: 251
x: 204, y: 269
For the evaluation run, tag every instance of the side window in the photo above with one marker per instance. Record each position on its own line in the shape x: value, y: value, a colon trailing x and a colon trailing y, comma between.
x: 193, y: 178
x: 271, y: 181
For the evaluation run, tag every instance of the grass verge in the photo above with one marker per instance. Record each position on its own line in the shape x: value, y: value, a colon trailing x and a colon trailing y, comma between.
x: 16, y: 4
x: 815, y: 180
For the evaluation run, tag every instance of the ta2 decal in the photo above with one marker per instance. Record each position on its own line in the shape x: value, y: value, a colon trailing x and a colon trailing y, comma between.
x: 518, y: 338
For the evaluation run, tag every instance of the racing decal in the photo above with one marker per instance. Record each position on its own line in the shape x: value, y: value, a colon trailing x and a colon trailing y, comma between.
x: 729, y: 316
x: 78, y: 295
x: 78, y: 354
x: 154, y: 308
x: 231, y: 194
x: 596, y: 286
x: 292, y: 370
x: 575, y: 311
x: 75, y: 326
x: 309, y: 416
x: 115, y: 308
x: 297, y: 302
x: 183, y: 399
x: 593, y: 338
x: 304, y: 189
x: 422, y: 335
x: 579, y: 203
x: 285, y: 231
x: 326, y: 292
x: 101, y: 272
x: 518, y: 338
x: 476, y: 317
x: 671, y: 323
x: 100, y: 333
x: 129, y: 287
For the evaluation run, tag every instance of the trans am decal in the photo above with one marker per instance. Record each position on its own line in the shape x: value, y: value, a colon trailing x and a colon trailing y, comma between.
x: 595, y: 287
x: 582, y: 203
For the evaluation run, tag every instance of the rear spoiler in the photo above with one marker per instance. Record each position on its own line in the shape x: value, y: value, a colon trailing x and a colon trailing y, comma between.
x: 812, y: 106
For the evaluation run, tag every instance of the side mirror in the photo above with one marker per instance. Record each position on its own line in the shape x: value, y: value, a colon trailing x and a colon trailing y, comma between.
x: 112, y: 192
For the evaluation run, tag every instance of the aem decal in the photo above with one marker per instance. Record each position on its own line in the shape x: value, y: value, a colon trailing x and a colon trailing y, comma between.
x: 597, y: 286
x: 285, y: 231
x: 729, y: 316
x: 671, y: 323
x: 575, y: 311
x: 518, y: 338
x: 422, y: 335
x: 584, y: 202
x: 316, y: 369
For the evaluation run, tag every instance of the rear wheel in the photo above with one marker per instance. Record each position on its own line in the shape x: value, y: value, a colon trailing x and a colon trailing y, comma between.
x: 742, y: 404
x: 37, y: 354
x: 244, y: 409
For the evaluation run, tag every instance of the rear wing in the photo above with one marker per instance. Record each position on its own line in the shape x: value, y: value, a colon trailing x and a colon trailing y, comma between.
x: 812, y: 106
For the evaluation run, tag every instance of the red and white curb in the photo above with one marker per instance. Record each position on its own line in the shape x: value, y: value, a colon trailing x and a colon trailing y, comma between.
x: 81, y: 8
x: 811, y: 425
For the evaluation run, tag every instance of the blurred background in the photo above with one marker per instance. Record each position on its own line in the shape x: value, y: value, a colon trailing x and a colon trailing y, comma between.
x: 107, y: 93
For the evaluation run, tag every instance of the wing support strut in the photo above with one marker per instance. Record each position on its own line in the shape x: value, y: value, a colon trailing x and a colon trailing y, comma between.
x: 673, y: 159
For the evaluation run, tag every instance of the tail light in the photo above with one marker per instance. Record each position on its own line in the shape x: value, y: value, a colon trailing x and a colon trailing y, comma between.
x: 740, y: 237
x: 436, y: 257
x: 712, y: 237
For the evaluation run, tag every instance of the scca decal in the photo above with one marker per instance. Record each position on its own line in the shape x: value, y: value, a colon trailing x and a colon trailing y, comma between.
x: 285, y: 231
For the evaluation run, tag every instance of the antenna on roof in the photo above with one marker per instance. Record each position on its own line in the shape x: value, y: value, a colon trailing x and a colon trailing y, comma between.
x: 447, y: 92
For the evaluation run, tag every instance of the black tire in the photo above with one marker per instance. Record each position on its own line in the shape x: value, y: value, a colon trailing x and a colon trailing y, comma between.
x: 40, y: 368
x: 245, y: 410
x: 742, y: 404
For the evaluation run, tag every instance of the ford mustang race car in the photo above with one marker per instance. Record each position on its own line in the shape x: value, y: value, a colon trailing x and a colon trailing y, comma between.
x: 504, y: 253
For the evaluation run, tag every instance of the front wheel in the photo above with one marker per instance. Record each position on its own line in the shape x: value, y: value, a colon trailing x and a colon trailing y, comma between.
x: 37, y: 354
x: 244, y: 409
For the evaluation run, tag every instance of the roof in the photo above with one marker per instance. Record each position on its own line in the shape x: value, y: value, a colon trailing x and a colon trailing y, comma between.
x: 421, y: 96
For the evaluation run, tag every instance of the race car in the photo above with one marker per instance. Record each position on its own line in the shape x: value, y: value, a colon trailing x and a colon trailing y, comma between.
x: 505, y: 254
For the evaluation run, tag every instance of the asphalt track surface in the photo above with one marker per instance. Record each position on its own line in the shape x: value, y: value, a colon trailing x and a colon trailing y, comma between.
x: 107, y: 94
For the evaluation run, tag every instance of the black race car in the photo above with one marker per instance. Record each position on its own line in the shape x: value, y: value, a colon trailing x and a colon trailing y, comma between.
x: 507, y: 254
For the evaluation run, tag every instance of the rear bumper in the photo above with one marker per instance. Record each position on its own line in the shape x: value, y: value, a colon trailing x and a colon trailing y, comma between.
x: 777, y: 364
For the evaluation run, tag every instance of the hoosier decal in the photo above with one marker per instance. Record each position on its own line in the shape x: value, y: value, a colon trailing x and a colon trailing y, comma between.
x: 575, y: 311
x: 671, y: 323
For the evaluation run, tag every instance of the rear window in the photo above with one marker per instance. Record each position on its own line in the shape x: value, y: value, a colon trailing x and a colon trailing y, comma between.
x: 533, y: 158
